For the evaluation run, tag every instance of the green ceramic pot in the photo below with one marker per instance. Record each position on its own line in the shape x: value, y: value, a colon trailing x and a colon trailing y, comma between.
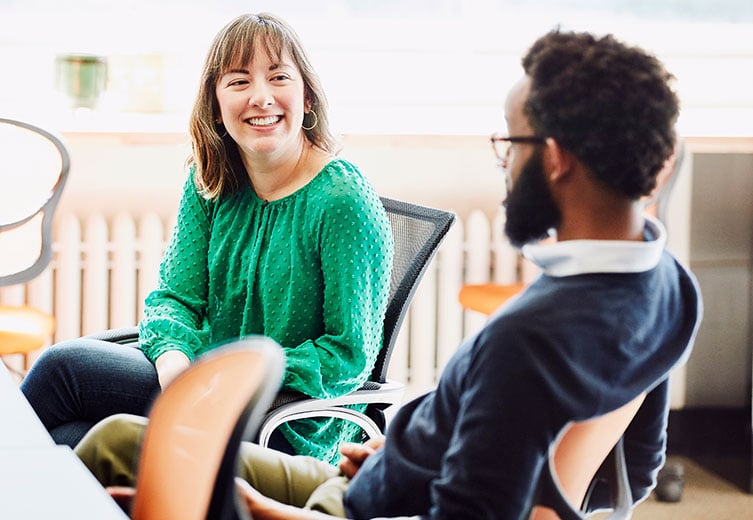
x: 82, y: 77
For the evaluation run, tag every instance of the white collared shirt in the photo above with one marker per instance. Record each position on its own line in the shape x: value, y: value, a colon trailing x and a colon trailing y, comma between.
x: 573, y: 257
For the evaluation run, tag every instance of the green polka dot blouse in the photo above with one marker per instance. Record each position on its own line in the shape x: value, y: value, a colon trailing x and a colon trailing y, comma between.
x: 310, y: 270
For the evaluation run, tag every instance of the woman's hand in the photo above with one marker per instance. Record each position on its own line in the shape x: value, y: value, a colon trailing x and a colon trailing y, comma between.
x: 355, y: 454
x: 169, y: 365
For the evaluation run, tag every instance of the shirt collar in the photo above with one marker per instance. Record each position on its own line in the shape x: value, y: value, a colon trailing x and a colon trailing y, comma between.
x: 572, y: 257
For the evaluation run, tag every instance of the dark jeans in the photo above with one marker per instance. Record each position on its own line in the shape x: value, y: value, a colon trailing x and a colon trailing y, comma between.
x: 76, y: 383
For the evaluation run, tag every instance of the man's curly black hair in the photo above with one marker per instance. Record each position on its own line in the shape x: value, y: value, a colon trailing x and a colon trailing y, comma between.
x: 609, y: 104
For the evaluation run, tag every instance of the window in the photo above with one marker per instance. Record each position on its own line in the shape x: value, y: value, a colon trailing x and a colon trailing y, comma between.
x: 389, y: 66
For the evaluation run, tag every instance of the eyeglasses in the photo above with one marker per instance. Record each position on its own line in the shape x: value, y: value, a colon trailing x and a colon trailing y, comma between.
x: 502, y: 144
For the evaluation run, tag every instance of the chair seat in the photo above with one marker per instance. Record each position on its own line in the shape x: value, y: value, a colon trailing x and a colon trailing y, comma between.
x: 487, y: 298
x: 23, y: 329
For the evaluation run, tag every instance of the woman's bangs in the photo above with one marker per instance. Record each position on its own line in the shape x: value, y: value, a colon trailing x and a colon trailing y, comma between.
x: 245, y: 46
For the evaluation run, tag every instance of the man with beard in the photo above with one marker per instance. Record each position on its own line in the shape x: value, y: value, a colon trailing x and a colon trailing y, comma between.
x: 591, y: 124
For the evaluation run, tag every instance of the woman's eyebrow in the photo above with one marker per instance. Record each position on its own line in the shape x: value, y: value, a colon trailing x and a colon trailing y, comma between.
x: 273, y: 66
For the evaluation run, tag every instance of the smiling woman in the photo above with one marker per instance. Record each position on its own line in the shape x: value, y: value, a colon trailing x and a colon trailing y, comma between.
x: 267, y: 215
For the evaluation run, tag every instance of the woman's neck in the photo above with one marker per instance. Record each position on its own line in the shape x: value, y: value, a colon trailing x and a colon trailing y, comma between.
x: 274, y: 179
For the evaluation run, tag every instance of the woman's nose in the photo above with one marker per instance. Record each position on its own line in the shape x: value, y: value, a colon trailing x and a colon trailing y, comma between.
x: 261, y: 96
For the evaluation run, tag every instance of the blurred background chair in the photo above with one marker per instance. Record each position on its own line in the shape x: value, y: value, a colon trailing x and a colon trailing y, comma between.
x: 418, y: 232
x: 34, y: 169
x: 488, y: 297
x: 188, y: 458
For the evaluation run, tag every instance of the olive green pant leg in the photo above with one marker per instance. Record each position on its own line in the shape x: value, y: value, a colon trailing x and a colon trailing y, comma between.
x: 111, y: 452
x: 111, y: 449
x: 293, y: 479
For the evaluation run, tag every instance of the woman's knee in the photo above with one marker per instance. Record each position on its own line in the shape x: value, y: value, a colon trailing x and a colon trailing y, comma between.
x: 50, y: 376
x: 81, y: 365
x: 63, y: 358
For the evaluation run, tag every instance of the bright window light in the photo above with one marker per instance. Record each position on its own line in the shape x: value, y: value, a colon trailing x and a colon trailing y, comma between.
x: 388, y: 66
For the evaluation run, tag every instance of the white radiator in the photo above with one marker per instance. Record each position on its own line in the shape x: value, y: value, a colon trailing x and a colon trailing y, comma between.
x: 102, y: 271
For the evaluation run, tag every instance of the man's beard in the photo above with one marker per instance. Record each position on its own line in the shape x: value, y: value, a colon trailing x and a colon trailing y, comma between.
x: 530, y: 207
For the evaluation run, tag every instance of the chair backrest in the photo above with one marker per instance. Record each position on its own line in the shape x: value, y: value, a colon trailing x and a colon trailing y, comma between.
x: 34, y: 170
x: 417, y: 231
x: 576, y: 456
x: 188, y: 456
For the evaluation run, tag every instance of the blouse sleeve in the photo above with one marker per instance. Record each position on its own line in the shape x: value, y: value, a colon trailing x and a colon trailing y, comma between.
x: 356, y: 249
x: 174, y: 313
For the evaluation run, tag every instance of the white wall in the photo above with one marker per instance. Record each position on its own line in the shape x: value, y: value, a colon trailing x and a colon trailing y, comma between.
x: 139, y: 172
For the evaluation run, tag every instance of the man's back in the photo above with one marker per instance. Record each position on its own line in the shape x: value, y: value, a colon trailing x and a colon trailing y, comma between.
x: 579, y: 342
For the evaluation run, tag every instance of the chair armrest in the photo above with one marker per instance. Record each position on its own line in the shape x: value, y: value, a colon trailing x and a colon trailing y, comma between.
x: 121, y: 335
x: 388, y: 394
x: 619, y: 487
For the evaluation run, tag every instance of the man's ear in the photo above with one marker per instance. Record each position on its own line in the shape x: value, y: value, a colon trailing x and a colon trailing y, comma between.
x: 558, y: 162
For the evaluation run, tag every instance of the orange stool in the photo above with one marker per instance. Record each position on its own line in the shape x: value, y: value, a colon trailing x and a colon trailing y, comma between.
x: 487, y: 297
x: 23, y: 329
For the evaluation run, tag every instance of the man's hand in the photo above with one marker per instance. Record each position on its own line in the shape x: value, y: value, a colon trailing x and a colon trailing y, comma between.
x: 354, y: 455
x: 169, y: 365
x: 123, y: 496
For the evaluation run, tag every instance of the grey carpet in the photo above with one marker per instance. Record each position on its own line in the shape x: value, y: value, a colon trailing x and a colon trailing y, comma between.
x: 706, y: 496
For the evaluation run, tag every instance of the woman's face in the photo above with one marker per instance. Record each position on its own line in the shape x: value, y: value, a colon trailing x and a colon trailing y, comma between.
x: 262, y: 104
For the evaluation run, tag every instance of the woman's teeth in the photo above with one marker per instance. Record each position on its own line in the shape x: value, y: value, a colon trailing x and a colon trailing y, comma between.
x: 263, y: 121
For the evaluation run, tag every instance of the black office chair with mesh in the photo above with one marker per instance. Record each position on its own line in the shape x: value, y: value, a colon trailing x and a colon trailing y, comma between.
x: 418, y: 232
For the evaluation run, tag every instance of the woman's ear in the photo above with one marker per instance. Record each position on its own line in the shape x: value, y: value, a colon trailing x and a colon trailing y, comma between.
x: 308, y: 99
x: 557, y: 161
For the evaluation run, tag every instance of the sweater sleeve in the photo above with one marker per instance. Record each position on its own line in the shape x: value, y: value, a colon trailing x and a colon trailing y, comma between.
x: 472, y: 449
x: 491, y: 466
x: 174, y: 313
x: 356, y: 257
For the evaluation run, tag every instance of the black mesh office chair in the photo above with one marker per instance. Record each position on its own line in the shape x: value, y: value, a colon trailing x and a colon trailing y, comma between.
x: 418, y: 231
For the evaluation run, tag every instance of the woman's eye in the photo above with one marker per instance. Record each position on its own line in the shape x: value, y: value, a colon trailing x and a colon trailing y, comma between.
x: 237, y: 82
x: 280, y: 77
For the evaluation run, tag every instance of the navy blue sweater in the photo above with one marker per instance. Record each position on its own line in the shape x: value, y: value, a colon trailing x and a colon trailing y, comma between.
x: 567, y: 349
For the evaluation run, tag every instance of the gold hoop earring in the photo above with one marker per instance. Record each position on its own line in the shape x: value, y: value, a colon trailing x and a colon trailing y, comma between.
x: 313, y: 125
